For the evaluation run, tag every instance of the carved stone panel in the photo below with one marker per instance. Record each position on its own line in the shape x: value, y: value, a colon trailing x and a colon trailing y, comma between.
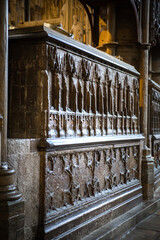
x: 28, y: 84
x: 156, y: 152
x: 75, y: 175
x: 95, y: 100
x: 55, y: 92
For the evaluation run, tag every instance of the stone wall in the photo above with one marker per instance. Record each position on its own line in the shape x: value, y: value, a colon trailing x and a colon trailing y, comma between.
x: 25, y: 159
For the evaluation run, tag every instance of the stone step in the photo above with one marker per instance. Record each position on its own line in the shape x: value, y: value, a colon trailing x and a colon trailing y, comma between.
x: 82, y: 221
x: 116, y: 228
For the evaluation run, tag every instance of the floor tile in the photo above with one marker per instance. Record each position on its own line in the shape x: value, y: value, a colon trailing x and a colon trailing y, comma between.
x: 141, y: 234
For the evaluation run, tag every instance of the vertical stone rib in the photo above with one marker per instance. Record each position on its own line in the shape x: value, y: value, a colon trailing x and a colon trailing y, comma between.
x: 4, y: 72
x: 144, y: 67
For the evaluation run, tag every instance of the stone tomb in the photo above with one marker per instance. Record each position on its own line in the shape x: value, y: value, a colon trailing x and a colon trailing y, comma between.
x: 82, y: 106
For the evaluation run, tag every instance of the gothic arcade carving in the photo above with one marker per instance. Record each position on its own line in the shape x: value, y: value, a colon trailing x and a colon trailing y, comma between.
x: 154, y: 114
x: 155, y: 111
x: 74, y: 175
x: 88, y: 99
x: 72, y: 97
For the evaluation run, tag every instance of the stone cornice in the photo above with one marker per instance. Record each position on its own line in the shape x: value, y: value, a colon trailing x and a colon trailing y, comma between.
x: 154, y: 84
x: 45, y: 33
x: 69, y: 143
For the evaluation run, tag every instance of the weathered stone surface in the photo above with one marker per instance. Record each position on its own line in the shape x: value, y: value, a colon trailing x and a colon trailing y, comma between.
x: 147, y: 229
x: 147, y: 174
x: 74, y: 175
x: 27, y: 165
x: 18, y: 146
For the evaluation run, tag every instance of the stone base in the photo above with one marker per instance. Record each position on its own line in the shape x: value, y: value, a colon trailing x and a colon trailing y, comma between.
x: 119, y: 227
x: 12, y: 220
x: 147, y: 174
x: 79, y: 222
x: 11, y: 206
x: 157, y: 179
x: 24, y: 158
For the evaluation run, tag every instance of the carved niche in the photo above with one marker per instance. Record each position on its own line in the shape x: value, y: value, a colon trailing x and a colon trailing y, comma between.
x: 105, y: 100
x: 155, y: 111
x: 156, y: 152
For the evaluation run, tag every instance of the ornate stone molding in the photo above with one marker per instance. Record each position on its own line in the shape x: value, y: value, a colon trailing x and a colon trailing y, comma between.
x: 155, y: 22
x: 145, y: 46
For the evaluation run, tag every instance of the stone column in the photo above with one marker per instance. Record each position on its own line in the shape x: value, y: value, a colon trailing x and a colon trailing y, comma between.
x: 144, y: 67
x: 4, y: 72
x: 147, y: 162
x: 1, y: 124
x: 144, y: 88
x: 11, y: 202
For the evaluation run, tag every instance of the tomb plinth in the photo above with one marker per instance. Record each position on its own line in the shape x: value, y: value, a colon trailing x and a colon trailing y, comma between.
x: 83, y: 106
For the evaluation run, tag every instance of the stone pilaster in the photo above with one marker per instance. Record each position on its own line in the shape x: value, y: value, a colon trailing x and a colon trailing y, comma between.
x: 1, y: 124
x: 147, y: 174
x: 144, y: 54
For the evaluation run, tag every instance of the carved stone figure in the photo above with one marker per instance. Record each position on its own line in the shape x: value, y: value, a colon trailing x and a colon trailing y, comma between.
x: 63, y: 15
x: 76, y: 29
x: 54, y: 10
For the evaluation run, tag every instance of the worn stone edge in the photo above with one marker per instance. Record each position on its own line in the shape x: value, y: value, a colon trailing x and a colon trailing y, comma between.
x: 42, y: 31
